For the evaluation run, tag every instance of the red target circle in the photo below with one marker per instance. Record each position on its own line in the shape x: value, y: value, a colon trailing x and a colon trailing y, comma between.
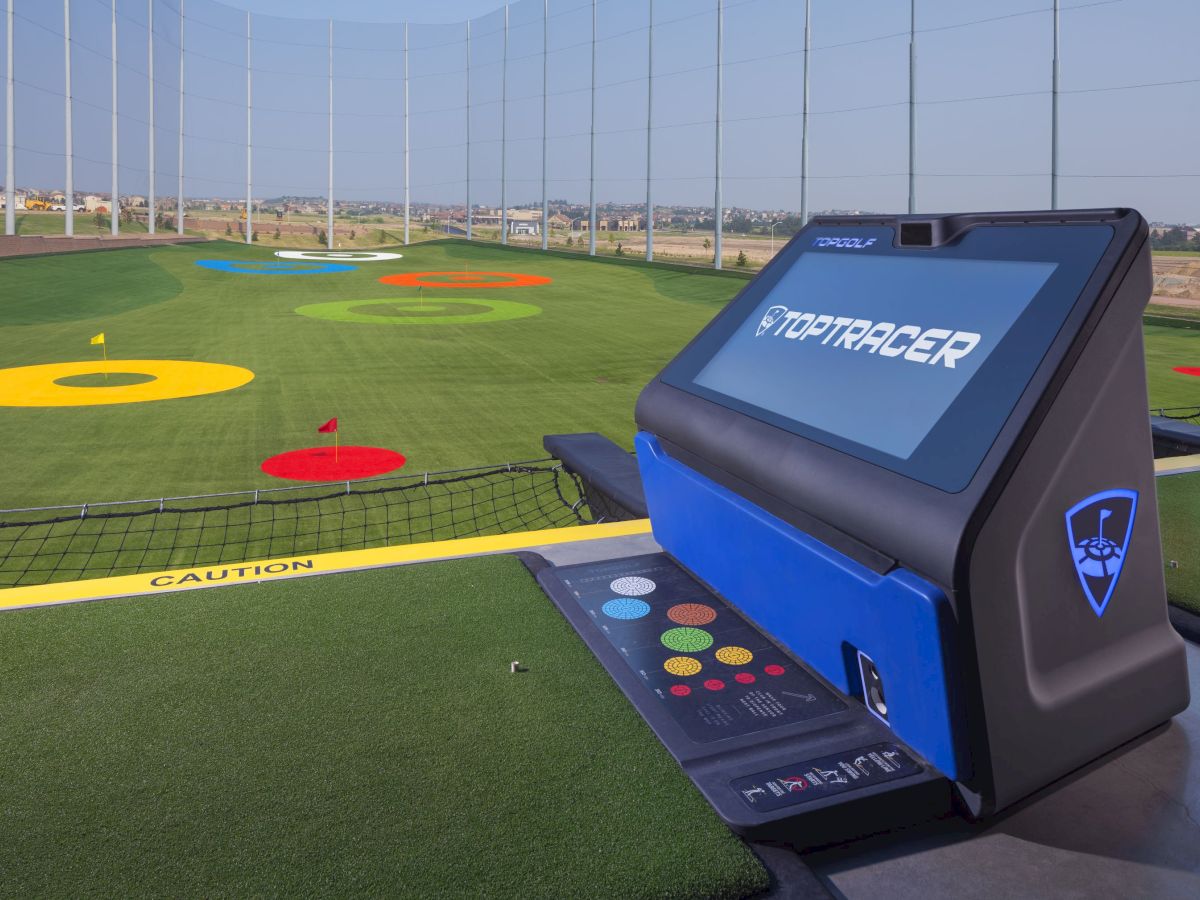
x: 715, y: 684
x: 321, y: 464
x: 467, y: 280
x: 773, y: 669
x: 744, y: 678
x: 680, y: 690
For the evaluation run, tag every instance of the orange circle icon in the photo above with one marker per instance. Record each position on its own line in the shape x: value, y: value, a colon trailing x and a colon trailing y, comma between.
x: 691, y: 614
x: 469, y: 280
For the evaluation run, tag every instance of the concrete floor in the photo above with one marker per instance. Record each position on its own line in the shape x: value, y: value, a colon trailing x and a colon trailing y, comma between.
x: 1127, y: 826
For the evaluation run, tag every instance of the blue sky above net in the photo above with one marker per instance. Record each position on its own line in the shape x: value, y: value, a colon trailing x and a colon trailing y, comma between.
x: 1129, y: 78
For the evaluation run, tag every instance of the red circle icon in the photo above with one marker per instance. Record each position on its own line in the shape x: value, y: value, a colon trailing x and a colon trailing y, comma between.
x: 744, y: 678
x: 773, y: 669
x: 715, y: 684
x: 680, y: 690
x: 468, y: 280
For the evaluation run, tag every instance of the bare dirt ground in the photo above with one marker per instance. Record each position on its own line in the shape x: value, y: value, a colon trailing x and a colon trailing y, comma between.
x: 1176, y: 278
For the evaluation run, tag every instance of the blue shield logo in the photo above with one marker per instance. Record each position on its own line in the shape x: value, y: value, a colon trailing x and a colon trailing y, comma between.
x: 1098, y: 530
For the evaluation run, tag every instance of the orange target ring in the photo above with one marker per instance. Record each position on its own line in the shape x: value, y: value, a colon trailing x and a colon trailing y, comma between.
x: 468, y: 280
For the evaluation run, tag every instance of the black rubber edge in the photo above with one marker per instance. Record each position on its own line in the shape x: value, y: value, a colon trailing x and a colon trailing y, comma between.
x: 534, y: 562
x: 1186, y: 622
x: 791, y: 878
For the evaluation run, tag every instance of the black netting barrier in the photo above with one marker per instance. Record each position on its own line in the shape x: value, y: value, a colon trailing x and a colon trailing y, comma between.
x: 94, y: 541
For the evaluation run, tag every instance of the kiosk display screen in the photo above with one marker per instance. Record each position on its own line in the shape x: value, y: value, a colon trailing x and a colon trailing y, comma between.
x: 876, y: 348
x: 908, y: 358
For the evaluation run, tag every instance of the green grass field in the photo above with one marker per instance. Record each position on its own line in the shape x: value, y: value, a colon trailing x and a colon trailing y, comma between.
x: 339, y: 736
x: 446, y: 396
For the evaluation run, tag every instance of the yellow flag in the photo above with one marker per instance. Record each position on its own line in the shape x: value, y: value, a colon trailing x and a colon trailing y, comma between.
x: 98, y: 339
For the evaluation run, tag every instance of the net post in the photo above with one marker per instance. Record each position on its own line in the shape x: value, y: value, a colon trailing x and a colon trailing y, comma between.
x: 114, y: 213
x: 504, y: 135
x: 592, y: 148
x: 1054, y: 92
x: 182, y: 56
x: 469, y: 216
x: 649, y: 132
x: 718, y: 206
x: 912, y: 108
x: 10, y: 165
x: 406, y: 149
x: 150, y: 164
x: 329, y: 203
x: 249, y: 134
x: 545, y: 76
x: 804, y: 116
x: 68, y: 125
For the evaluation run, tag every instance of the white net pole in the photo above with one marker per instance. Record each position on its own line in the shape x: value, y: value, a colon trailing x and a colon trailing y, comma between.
x: 114, y: 212
x: 68, y: 127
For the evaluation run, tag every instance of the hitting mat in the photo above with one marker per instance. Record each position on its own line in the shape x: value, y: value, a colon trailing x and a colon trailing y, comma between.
x: 339, y: 735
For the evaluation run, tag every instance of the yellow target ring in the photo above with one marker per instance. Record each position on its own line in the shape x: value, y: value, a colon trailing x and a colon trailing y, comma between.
x: 171, y: 379
x: 734, y: 656
x: 682, y: 665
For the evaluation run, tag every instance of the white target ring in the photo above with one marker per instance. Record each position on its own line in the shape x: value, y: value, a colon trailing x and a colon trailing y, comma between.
x: 326, y: 256
x: 632, y: 586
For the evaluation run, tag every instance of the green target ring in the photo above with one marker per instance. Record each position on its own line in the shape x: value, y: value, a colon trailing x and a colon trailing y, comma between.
x: 686, y: 640
x: 411, y: 311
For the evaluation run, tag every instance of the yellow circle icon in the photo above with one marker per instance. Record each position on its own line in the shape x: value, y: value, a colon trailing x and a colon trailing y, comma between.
x: 169, y: 379
x: 734, y: 656
x: 682, y: 665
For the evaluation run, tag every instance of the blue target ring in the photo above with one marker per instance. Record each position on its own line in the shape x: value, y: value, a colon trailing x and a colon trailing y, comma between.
x: 273, y: 267
x: 625, y: 608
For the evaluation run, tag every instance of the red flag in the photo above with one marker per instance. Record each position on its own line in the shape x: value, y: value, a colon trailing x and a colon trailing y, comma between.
x: 329, y: 426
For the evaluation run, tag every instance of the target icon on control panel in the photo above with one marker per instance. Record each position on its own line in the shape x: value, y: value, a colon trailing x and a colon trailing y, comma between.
x: 632, y: 586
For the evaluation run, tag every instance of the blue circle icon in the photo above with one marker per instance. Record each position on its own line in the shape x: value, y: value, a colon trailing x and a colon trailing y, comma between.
x: 273, y: 267
x: 625, y: 608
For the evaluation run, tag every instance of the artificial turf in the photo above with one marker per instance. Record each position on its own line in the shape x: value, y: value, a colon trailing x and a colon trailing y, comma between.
x: 445, y: 396
x: 339, y: 736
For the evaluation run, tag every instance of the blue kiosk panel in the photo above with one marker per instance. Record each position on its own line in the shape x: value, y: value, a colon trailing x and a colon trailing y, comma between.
x: 820, y: 605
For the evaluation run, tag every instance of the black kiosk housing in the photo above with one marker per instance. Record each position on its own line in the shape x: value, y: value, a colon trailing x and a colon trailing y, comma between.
x: 910, y: 466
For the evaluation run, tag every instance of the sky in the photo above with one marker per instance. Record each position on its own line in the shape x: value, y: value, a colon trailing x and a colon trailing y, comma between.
x: 1128, y: 125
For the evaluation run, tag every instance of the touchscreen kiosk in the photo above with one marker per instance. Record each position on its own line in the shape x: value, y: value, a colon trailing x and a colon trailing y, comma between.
x: 905, y: 490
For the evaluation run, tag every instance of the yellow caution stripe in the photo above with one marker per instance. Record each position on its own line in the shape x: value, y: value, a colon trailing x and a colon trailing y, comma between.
x: 297, y: 566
